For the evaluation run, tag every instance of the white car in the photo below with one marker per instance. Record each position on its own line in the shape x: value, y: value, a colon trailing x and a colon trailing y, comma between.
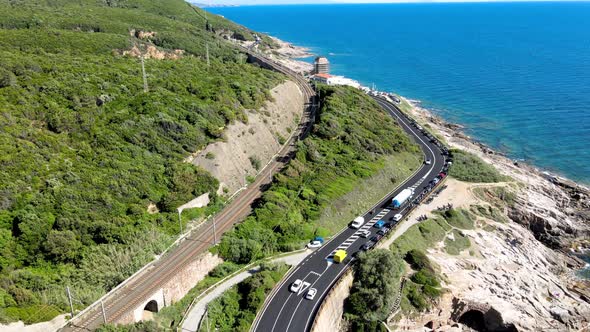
x: 428, y: 161
x: 296, y: 285
x: 357, y: 222
x: 314, y: 244
x: 311, y: 293
x: 398, y: 217
x: 365, y: 234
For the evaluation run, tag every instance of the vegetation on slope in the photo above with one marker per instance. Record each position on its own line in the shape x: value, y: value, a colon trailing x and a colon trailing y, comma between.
x: 422, y: 288
x: 350, y: 138
x: 236, y: 309
x: 84, y: 150
x: 470, y: 168
x: 375, y: 290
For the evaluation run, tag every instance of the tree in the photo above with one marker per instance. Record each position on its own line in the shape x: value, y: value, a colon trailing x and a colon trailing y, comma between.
x: 376, y: 285
x: 33, y: 229
x: 238, y: 250
x: 63, y: 246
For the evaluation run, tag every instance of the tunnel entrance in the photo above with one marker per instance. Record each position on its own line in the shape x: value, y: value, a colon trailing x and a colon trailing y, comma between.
x: 474, y: 319
x: 149, y: 310
x: 151, y: 306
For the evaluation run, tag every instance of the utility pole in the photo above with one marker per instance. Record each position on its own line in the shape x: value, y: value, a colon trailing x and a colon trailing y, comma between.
x: 70, y: 299
x: 180, y: 220
x: 104, y: 314
x: 208, y: 63
x: 214, y: 232
x: 145, y: 84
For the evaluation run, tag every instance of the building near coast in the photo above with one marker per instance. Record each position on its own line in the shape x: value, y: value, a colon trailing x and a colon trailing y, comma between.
x: 335, y: 80
x: 321, y: 65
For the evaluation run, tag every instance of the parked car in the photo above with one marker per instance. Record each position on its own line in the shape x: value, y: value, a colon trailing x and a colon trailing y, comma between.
x: 383, y: 231
x: 314, y: 244
x: 376, y: 238
x: 365, y: 234
x: 398, y: 217
x: 311, y: 293
x: 296, y: 285
x: 368, y: 245
x: 379, y: 224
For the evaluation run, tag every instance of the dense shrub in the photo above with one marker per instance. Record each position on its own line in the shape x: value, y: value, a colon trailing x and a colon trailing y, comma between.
x: 470, y: 168
x: 236, y: 309
x: 376, y: 286
x: 424, y: 284
x: 84, y: 150
x: 417, y: 259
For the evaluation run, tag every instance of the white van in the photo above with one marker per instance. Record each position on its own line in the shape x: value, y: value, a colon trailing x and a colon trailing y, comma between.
x: 357, y: 222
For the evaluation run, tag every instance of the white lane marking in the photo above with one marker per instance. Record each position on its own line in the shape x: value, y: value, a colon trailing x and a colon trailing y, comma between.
x: 300, y: 301
x: 305, y: 284
x: 381, y: 213
x: 280, y: 311
x: 418, y: 136
x: 285, y: 279
x: 365, y: 227
x: 274, y: 293
x: 348, y: 242
x: 322, y: 295
x: 303, y: 287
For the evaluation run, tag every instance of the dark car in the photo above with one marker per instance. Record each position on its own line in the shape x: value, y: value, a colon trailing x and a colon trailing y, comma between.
x: 376, y: 238
x: 383, y: 231
x: 368, y: 245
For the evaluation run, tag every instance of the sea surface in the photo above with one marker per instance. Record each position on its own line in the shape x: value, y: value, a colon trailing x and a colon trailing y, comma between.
x: 517, y: 75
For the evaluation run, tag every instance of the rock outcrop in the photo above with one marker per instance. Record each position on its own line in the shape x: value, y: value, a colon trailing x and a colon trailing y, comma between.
x: 518, y: 275
x: 247, y: 147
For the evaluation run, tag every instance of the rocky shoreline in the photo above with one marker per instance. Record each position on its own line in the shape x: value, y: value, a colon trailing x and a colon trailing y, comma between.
x: 529, y: 275
x: 561, y: 222
x: 525, y: 274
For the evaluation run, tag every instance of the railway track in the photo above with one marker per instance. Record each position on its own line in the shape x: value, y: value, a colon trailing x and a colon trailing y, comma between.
x: 139, y: 289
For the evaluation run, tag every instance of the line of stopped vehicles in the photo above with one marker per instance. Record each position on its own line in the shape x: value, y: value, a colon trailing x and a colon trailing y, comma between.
x: 403, y: 203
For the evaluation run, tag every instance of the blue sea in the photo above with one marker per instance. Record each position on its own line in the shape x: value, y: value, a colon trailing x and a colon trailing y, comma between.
x: 516, y: 75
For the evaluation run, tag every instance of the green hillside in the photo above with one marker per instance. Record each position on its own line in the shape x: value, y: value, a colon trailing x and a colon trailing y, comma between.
x: 84, y: 149
x: 349, y: 143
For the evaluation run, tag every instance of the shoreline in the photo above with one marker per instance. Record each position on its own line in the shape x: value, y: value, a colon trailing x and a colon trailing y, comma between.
x: 536, y: 181
x: 451, y: 129
x: 289, y: 54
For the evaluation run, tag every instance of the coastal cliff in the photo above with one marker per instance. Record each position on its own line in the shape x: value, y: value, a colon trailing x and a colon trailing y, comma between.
x: 518, y: 273
x: 249, y: 145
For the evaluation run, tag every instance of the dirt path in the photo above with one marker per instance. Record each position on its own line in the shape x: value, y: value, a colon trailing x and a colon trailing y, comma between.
x: 195, y: 315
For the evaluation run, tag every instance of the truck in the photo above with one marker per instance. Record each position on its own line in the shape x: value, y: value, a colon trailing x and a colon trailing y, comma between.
x: 357, y: 222
x: 339, y: 256
x: 402, y: 197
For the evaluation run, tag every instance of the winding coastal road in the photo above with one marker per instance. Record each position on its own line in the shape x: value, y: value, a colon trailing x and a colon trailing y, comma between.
x: 285, y: 311
x: 122, y: 301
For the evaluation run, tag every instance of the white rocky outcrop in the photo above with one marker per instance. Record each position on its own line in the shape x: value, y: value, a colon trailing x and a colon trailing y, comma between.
x: 518, y: 275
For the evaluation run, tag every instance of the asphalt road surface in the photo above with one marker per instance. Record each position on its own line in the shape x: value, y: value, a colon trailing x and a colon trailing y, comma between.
x: 285, y: 311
